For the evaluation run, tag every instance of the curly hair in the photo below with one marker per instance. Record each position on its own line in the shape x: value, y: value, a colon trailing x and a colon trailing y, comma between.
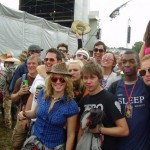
x: 48, y: 91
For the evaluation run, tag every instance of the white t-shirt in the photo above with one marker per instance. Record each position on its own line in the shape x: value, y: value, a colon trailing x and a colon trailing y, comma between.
x: 39, y: 80
x: 109, y: 79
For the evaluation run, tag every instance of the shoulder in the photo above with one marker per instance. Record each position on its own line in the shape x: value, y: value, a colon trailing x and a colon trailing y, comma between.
x: 72, y: 107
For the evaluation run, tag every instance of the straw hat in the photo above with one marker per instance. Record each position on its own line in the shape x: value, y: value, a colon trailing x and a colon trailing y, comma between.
x: 10, y: 54
x: 15, y: 60
x: 3, y: 56
x: 80, y: 27
x: 60, y: 68
x: 23, y: 56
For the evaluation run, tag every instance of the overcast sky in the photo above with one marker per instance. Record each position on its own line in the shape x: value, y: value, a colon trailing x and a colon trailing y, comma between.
x: 114, y: 32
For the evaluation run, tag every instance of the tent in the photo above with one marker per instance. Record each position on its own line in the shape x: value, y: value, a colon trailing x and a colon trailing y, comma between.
x: 19, y: 29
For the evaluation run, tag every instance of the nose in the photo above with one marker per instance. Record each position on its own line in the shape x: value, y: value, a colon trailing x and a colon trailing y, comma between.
x: 58, y: 81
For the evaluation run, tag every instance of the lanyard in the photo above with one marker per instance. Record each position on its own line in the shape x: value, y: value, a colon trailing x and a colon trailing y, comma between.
x: 127, y: 95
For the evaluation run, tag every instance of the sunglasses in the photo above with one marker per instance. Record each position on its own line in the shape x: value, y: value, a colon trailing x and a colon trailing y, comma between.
x: 55, y: 79
x: 109, y: 58
x: 143, y: 72
x: 96, y: 50
x: 63, y: 50
x: 50, y: 59
x: 84, y: 57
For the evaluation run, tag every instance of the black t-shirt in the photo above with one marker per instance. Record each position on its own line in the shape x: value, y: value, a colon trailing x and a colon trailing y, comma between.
x: 106, y: 102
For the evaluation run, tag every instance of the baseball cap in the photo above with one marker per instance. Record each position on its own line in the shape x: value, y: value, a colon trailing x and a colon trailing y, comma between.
x: 35, y: 48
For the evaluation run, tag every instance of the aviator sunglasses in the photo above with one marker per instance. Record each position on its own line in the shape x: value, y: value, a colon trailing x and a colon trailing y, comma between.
x: 63, y: 50
x: 50, y: 59
x: 143, y: 72
x: 79, y: 55
x: 96, y: 50
x: 55, y: 79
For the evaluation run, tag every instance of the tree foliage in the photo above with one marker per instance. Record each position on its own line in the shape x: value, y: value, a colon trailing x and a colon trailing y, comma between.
x: 137, y: 46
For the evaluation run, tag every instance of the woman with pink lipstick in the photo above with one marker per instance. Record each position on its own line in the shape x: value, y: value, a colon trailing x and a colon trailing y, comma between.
x: 55, y: 107
x: 108, y: 63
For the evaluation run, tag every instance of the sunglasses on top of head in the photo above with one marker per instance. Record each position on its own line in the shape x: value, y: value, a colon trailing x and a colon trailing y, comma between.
x: 79, y: 55
x: 142, y: 72
x: 96, y: 50
x: 55, y: 79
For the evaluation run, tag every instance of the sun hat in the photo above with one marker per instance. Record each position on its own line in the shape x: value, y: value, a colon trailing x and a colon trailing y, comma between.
x: 60, y: 68
x: 15, y: 60
x: 35, y: 48
x: 83, y: 52
x: 23, y: 56
x: 3, y: 56
x: 80, y: 27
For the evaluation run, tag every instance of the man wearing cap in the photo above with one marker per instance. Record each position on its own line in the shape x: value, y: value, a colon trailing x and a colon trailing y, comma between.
x: 22, y: 69
x: 10, y: 65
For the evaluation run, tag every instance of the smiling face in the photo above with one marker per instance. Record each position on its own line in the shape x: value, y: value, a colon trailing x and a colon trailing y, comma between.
x: 75, y: 70
x: 97, y: 54
x: 145, y: 66
x: 58, y: 83
x: 32, y: 65
x: 49, y: 61
x: 108, y: 60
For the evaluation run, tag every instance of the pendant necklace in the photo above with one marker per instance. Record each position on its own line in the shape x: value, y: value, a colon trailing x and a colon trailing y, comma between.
x: 129, y: 107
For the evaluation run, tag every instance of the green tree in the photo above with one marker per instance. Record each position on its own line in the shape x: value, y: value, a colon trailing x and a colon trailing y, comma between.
x: 137, y: 46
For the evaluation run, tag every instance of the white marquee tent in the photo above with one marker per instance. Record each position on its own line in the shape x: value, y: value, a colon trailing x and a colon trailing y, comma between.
x: 19, y: 29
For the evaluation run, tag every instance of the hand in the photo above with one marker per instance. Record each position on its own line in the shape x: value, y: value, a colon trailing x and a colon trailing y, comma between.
x: 26, y: 124
x: 96, y: 129
x: 21, y: 115
x: 24, y: 90
x: 77, y: 35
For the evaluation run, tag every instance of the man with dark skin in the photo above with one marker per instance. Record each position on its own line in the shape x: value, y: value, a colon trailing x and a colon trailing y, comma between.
x: 133, y: 96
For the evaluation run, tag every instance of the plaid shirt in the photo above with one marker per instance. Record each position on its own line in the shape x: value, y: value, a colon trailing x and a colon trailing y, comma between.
x: 5, y: 78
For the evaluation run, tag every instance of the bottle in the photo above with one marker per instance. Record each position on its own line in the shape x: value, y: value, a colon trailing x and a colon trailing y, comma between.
x: 25, y: 82
x: 38, y: 88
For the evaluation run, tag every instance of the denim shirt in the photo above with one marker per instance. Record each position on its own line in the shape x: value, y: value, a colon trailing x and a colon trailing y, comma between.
x: 49, y: 126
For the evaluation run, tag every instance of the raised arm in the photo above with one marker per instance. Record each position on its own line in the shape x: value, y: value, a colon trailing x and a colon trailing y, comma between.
x: 141, y: 53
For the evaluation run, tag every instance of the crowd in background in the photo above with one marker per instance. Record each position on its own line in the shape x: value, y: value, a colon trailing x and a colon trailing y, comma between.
x: 77, y: 101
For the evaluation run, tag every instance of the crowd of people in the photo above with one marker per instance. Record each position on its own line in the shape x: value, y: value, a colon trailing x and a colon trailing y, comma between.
x: 79, y: 102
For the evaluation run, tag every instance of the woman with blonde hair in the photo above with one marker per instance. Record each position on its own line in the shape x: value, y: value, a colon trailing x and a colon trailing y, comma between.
x: 54, y: 109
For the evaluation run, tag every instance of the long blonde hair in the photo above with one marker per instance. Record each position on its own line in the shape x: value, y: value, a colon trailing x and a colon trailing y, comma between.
x: 48, y: 91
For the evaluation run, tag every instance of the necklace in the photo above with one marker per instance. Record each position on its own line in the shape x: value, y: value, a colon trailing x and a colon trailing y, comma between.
x: 129, y: 107
x: 55, y: 99
x: 104, y: 81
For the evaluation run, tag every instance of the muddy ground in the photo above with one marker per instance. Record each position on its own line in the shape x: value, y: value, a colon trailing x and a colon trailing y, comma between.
x: 5, y: 136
